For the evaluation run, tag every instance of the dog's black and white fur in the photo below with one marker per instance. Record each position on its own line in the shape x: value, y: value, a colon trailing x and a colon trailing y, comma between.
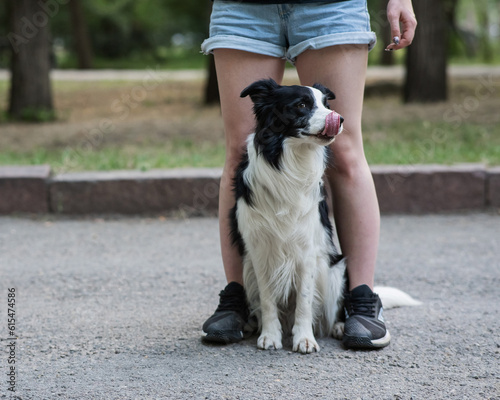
x: 293, y: 275
x: 292, y: 270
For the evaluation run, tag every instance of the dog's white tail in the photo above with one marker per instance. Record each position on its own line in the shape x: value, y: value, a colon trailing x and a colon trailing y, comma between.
x: 392, y: 297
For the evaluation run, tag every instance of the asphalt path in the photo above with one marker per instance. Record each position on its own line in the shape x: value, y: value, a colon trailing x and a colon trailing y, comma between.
x: 112, y: 308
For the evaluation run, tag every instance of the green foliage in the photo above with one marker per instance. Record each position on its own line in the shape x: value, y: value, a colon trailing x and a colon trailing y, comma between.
x: 473, y: 31
x: 35, y: 115
x: 475, y: 36
x: 170, y: 58
x: 123, y: 28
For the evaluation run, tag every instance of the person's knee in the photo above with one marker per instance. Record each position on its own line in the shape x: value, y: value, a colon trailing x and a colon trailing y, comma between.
x: 349, y: 164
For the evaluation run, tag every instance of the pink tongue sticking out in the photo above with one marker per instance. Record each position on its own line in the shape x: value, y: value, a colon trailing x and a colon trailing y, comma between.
x: 332, y: 124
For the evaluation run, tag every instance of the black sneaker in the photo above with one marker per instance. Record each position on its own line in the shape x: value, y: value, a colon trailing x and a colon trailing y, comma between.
x: 364, y: 326
x: 226, y: 325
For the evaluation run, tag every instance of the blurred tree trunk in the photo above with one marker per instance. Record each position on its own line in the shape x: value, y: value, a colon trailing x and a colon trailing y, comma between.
x: 81, y: 35
x: 30, y: 90
x: 426, y: 59
x: 211, y: 95
x: 386, y: 57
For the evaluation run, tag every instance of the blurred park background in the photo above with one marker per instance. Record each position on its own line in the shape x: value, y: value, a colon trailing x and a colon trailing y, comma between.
x: 121, y: 84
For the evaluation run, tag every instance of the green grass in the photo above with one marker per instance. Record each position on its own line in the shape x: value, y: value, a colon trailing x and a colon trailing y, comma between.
x: 176, y: 154
x: 423, y: 142
x: 404, y: 143
x: 394, y: 133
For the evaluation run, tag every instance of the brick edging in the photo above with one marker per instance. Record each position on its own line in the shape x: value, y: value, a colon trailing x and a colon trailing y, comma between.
x: 400, y: 189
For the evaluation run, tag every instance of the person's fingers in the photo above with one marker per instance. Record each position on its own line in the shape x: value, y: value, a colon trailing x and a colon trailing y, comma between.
x: 394, y: 18
x: 408, y: 25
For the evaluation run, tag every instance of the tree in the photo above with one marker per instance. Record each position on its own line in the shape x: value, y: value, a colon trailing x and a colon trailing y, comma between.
x: 211, y: 94
x: 386, y: 57
x: 81, y: 35
x: 426, y: 59
x: 30, y: 90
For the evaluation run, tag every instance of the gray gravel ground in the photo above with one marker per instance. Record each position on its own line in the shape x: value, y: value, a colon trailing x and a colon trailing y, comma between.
x: 112, y: 309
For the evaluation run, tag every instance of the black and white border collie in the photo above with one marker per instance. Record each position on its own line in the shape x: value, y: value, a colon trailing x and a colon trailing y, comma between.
x: 293, y: 275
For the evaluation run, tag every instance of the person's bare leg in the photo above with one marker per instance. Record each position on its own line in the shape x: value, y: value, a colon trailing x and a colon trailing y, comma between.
x: 235, y: 71
x: 343, y: 69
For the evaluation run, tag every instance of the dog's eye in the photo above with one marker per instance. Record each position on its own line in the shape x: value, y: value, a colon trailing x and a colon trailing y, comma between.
x: 301, y: 105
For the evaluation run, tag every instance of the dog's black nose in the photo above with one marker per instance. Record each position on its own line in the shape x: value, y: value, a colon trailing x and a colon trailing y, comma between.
x: 341, y: 120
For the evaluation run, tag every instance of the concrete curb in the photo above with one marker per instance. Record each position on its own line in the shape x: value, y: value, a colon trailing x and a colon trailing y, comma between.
x: 401, y: 189
x: 431, y: 188
x: 24, y: 189
x: 194, y: 191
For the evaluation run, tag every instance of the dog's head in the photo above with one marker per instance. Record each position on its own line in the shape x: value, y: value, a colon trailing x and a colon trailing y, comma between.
x: 299, y: 112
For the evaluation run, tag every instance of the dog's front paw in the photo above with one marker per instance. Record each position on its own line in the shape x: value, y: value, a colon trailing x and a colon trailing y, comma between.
x: 305, y: 345
x: 268, y: 341
x: 338, y: 330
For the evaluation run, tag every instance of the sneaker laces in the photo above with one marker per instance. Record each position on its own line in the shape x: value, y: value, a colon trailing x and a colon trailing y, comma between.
x: 362, y: 306
x: 232, y: 301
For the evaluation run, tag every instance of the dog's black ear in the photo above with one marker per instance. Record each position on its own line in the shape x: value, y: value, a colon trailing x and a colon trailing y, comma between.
x: 259, y: 89
x: 327, y: 92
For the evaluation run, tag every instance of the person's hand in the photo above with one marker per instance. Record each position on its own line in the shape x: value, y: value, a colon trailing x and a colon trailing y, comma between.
x: 401, y: 12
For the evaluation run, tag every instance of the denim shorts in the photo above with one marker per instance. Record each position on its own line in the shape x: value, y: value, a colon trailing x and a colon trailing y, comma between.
x: 287, y: 30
